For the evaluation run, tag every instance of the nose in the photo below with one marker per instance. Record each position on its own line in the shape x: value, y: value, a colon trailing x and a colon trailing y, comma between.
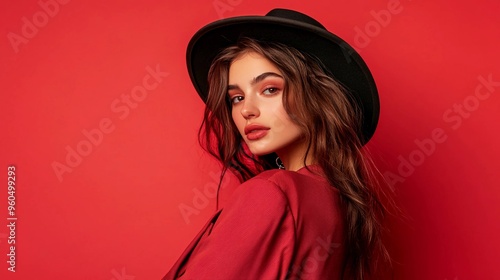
x: 249, y: 109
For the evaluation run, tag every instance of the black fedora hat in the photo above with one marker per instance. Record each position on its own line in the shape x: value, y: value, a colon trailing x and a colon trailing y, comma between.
x: 296, y: 30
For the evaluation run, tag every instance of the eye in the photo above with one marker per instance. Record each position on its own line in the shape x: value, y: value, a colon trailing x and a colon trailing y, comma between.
x: 270, y: 91
x: 236, y: 99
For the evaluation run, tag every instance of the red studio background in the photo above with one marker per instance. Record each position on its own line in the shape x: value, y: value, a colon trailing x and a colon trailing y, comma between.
x: 99, y: 121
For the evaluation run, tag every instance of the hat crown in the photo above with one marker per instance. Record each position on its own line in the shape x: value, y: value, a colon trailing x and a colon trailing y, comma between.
x: 300, y: 31
x: 294, y: 15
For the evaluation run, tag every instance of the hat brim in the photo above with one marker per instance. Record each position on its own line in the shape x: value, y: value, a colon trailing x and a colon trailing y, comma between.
x: 340, y: 59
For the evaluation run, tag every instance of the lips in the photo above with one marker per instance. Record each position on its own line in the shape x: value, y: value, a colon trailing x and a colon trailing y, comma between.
x: 255, y: 132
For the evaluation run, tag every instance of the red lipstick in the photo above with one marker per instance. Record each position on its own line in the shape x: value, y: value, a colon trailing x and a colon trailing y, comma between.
x: 255, y: 131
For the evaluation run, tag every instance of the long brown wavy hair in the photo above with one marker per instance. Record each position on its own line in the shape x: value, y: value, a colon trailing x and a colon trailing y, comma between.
x: 330, y: 121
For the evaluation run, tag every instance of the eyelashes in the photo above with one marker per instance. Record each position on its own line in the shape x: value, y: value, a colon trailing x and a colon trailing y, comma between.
x: 269, y: 91
x: 236, y: 99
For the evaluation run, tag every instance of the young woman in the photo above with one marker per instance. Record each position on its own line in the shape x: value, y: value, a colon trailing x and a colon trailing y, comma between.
x: 289, y: 107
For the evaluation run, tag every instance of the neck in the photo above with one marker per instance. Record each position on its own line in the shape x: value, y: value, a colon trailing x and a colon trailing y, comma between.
x: 294, y: 158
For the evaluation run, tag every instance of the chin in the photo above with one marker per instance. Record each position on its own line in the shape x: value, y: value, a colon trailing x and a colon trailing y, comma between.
x: 259, y: 149
x: 260, y: 152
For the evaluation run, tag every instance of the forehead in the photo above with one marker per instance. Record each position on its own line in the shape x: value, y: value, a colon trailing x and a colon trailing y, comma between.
x: 249, y: 65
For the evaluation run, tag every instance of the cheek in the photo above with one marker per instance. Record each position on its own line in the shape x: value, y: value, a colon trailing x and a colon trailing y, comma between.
x: 283, y: 125
x: 279, y: 119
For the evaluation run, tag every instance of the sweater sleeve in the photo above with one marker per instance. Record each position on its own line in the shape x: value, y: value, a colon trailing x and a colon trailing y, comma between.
x: 253, y: 237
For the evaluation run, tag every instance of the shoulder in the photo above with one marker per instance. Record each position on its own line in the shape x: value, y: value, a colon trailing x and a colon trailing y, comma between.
x: 257, y: 202
x: 282, y: 188
x: 266, y: 191
x: 285, y: 179
x: 278, y: 183
x: 262, y: 187
x: 266, y: 184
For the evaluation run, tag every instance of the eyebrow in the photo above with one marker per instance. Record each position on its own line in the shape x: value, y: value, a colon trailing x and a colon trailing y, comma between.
x: 257, y: 79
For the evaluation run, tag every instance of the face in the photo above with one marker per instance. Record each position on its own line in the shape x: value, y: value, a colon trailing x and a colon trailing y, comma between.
x: 256, y: 90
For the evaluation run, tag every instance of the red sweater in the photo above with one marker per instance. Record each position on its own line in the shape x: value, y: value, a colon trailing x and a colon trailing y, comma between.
x: 278, y: 225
